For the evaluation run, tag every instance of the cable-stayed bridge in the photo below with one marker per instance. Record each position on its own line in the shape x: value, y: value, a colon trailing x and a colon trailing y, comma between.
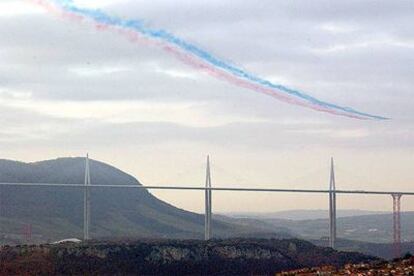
x: 208, y: 189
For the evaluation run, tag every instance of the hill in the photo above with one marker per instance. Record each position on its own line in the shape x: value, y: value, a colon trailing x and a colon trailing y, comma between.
x: 171, y: 257
x: 377, y: 228
x: 57, y: 212
x: 381, y: 250
x: 371, y: 228
x: 303, y: 214
x: 368, y: 234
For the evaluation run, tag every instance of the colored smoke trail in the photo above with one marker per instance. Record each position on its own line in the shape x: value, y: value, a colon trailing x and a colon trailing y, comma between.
x: 198, y: 58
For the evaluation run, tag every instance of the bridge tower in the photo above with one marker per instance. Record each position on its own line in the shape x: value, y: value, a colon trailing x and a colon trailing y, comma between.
x: 27, y: 232
x: 396, y: 208
x: 86, y: 201
x: 332, y: 207
x: 208, y: 208
x: 1, y: 210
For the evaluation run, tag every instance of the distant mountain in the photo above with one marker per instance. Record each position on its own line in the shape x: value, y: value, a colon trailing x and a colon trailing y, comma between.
x: 172, y: 257
x: 368, y: 228
x: 303, y: 214
x: 265, y: 227
x: 381, y: 250
x: 56, y: 213
x: 374, y: 228
x: 368, y: 234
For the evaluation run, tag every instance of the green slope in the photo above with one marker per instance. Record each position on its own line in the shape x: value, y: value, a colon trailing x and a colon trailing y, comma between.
x: 57, y: 212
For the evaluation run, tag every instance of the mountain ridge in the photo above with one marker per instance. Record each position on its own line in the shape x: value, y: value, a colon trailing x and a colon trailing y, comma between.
x: 57, y: 212
x: 303, y: 214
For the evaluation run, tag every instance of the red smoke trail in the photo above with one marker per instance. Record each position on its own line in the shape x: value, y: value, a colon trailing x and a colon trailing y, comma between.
x: 136, y: 37
x: 189, y: 60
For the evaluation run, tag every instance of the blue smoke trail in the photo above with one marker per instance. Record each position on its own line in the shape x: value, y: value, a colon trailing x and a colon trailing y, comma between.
x: 164, y: 36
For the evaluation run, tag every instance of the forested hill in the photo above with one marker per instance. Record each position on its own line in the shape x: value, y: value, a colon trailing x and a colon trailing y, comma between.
x: 57, y: 212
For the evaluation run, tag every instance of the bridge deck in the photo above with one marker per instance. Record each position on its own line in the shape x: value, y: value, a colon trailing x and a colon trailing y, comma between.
x: 195, y: 188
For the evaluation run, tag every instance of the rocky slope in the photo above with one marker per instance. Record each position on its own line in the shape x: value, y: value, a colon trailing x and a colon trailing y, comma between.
x: 171, y: 257
x: 403, y: 266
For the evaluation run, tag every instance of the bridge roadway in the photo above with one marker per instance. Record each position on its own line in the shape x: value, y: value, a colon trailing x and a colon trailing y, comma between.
x: 195, y: 188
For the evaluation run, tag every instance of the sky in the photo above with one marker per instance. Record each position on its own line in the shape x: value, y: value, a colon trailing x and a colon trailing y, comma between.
x: 67, y: 88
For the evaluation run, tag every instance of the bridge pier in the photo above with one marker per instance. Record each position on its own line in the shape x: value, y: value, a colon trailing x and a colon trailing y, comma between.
x: 86, y: 201
x: 396, y: 219
x: 332, y: 207
x: 208, y: 208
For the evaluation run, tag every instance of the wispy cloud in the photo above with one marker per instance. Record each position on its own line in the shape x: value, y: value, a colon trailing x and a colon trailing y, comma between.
x: 12, y: 8
x: 69, y: 88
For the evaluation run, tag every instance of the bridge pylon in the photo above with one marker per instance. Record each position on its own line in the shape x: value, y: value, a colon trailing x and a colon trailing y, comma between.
x: 396, y: 219
x: 86, y: 201
x: 208, y: 207
x: 332, y: 207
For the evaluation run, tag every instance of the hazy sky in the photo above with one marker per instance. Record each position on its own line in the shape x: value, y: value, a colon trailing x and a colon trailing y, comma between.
x: 67, y: 89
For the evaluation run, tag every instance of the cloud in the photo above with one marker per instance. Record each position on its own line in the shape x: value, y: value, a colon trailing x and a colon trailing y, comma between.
x: 68, y: 86
x: 10, y: 9
x: 99, y: 3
